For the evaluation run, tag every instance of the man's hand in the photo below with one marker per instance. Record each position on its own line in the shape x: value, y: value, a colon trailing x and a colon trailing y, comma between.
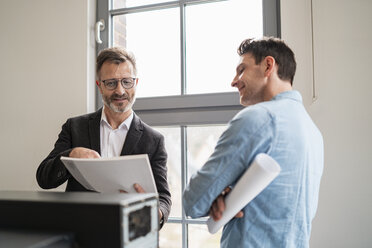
x: 138, y: 188
x: 81, y: 152
x: 218, y: 206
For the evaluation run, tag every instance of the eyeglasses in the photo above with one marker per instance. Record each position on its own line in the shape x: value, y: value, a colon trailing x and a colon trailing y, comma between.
x: 111, y: 84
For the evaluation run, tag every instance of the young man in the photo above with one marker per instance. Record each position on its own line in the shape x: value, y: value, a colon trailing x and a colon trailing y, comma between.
x: 114, y: 130
x: 274, y: 122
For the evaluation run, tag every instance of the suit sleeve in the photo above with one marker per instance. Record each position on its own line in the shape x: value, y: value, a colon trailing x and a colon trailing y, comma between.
x: 51, y: 173
x: 159, y: 168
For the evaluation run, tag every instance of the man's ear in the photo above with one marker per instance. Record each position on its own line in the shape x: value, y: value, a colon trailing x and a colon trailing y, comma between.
x: 136, y: 82
x: 99, y: 86
x: 270, y: 65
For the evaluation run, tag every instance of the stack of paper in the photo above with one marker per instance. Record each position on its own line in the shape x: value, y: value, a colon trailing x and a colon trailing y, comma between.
x: 112, y: 174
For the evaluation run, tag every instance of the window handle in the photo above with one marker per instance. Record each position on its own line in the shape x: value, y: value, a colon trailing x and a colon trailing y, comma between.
x: 100, y: 26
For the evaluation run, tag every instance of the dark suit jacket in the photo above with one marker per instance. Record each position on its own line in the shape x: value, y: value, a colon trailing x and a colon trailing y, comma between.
x: 84, y: 131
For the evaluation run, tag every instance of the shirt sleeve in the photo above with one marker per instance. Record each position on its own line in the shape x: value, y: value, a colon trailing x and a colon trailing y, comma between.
x: 249, y: 133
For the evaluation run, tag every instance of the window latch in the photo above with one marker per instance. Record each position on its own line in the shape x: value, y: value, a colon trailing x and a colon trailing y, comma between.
x: 100, y: 26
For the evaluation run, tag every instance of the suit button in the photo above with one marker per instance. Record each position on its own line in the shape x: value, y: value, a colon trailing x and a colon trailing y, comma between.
x: 59, y: 174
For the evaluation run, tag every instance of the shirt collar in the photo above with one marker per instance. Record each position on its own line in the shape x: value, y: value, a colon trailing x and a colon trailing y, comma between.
x: 125, y: 124
x: 291, y: 94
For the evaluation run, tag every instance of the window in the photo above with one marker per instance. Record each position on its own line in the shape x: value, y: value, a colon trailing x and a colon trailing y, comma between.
x: 186, y: 58
x: 153, y: 36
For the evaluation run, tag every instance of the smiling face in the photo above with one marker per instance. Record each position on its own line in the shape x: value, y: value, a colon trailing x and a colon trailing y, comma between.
x: 250, y: 80
x: 118, y: 100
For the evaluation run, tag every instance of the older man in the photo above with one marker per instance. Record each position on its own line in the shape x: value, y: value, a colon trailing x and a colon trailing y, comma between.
x: 113, y: 130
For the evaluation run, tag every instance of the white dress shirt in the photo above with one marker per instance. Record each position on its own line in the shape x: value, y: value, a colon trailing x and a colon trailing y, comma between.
x: 112, y: 140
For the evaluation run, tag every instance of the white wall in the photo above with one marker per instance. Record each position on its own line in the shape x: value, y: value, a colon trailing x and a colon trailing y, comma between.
x: 342, y: 66
x: 46, y: 47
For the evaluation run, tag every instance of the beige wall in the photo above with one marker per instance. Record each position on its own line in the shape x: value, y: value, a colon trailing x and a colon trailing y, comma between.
x: 342, y: 39
x: 46, y: 47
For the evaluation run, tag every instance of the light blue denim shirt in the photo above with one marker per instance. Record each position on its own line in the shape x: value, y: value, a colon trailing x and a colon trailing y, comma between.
x: 281, y: 215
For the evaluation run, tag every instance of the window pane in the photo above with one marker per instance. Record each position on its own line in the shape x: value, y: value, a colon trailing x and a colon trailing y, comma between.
x: 213, y: 34
x: 200, y: 145
x: 172, y: 139
x: 153, y: 37
x: 170, y: 236
x: 132, y: 3
x: 199, y: 237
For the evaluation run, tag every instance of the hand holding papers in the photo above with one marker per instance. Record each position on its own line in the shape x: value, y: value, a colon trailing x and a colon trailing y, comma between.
x: 112, y: 174
x: 262, y: 171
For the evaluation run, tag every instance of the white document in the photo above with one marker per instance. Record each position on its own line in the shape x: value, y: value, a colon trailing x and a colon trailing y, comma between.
x: 262, y: 171
x: 112, y: 174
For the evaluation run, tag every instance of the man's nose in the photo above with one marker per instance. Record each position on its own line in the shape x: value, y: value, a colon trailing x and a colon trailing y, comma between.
x: 120, y: 89
x: 234, y: 83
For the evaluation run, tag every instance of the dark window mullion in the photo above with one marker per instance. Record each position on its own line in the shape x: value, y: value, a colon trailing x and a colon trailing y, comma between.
x: 271, y: 18
x: 184, y: 178
x: 183, y: 48
x: 184, y: 169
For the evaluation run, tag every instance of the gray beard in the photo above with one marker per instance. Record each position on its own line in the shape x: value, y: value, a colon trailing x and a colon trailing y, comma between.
x: 118, y: 109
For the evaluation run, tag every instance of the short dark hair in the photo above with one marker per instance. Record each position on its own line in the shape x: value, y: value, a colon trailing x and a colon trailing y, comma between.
x: 115, y: 55
x: 275, y: 47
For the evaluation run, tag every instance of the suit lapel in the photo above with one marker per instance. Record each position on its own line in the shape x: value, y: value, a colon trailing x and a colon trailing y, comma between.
x: 133, y: 136
x: 94, y: 131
